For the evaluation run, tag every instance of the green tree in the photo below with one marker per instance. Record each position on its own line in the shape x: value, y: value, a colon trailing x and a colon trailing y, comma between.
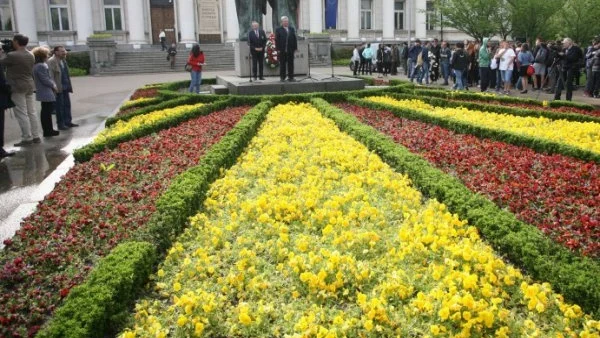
x: 579, y: 20
x: 533, y: 18
x: 473, y: 17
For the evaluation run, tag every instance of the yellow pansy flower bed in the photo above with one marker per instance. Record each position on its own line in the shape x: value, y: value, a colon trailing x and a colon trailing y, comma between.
x: 123, y: 127
x: 584, y: 135
x: 311, y: 235
x: 135, y: 102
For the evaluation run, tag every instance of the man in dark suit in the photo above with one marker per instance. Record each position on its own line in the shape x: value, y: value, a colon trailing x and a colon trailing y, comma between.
x: 287, y: 45
x: 257, y: 40
x: 570, y: 57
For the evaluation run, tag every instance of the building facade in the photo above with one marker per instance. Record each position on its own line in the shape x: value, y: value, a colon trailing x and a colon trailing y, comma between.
x: 137, y: 23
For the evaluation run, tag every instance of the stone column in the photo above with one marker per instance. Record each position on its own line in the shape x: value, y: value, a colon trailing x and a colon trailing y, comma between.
x: 388, y: 19
x: 135, y: 22
x: 233, y: 29
x: 26, y: 20
x: 185, y: 9
x: 83, y: 17
x: 353, y: 7
x: 420, y: 19
x: 316, y: 16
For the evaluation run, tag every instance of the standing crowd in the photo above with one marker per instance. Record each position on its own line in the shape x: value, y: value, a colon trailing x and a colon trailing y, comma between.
x: 552, y: 66
x: 27, y: 76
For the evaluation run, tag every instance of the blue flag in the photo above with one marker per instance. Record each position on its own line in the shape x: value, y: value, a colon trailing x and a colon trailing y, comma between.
x: 331, y: 14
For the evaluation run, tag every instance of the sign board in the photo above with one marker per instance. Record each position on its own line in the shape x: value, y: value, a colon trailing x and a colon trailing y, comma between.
x: 208, y: 17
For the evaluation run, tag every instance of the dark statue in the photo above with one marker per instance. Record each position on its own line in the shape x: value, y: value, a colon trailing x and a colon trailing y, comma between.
x: 253, y: 10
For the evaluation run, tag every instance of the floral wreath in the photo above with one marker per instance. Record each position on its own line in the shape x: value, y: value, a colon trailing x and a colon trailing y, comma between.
x: 271, y: 57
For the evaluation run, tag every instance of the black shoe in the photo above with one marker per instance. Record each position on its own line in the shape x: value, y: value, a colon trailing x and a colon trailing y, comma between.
x: 261, y: 78
x: 51, y: 133
x: 71, y: 125
x: 281, y: 80
x: 63, y: 128
x: 23, y: 143
x: 524, y: 91
x: 36, y: 140
x: 292, y: 80
x: 4, y: 153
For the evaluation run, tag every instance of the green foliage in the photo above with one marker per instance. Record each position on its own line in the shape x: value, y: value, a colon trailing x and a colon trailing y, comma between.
x: 477, y: 18
x: 100, y: 305
x: 75, y: 72
x: 100, y: 36
x: 577, y: 278
x: 342, y: 53
x: 536, y: 144
x: 80, y: 60
x: 532, y: 18
x: 579, y: 20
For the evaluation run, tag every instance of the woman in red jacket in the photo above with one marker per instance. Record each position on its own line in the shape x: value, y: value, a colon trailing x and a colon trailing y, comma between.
x: 196, y: 61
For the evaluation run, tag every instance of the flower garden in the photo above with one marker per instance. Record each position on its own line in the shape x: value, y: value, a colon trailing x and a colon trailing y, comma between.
x: 385, y: 212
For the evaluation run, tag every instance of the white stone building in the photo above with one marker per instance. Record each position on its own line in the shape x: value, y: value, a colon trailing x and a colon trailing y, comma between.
x: 138, y: 22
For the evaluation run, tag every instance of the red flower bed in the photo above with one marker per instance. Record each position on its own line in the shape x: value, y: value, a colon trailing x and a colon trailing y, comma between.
x: 144, y: 92
x: 571, y: 110
x: 94, y: 207
x: 558, y: 194
x: 126, y: 111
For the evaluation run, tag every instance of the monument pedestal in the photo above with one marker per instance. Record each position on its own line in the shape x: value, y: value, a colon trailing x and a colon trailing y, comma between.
x: 272, y: 86
x: 243, y: 63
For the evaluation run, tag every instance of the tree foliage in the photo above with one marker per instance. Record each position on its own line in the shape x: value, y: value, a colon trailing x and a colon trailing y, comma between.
x: 579, y: 20
x: 474, y: 17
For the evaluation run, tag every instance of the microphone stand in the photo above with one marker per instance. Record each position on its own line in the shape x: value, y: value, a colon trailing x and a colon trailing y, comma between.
x: 332, y: 77
x: 309, y: 77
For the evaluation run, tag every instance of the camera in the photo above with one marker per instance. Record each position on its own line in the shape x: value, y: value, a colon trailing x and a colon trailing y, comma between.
x: 7, y: 46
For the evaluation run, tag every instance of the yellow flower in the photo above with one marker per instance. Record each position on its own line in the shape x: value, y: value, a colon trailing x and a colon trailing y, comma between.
x: 245, y: 318
x: 368, y: 325
x: 181, y: 321
x: 177, y: 286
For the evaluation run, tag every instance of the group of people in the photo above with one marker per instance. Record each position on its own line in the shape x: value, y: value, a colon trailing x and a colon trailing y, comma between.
x: 554, y: 66
x: 34, y: 72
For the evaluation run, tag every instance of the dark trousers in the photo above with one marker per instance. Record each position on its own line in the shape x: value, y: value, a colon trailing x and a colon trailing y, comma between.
x: 286, y: 65
x: 484, y: 74
x: 63, y: 109
x: 46, y: 117
x: 356, y: 67
x: 163, y: 44
x: 2, y: 128
x: 258, y: 62
x: 566, y: 76
x: 596, y: 88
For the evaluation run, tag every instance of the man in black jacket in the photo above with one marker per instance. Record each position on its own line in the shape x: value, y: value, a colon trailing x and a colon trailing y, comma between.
x: 257, y: 40
x: 287, y: 45
x: 570, y: 57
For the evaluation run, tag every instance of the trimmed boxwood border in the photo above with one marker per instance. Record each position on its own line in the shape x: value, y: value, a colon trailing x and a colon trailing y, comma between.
x: 164, y: 103
x: 536, y: 144
x: 498, y: 109
x: 433, y: 91
x: 576, y: 277
x: 99, y: 307
x: 87, y: 152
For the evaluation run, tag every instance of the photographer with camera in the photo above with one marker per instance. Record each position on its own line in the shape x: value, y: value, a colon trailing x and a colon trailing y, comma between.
x: 19, y: 76
x: 569, y: 58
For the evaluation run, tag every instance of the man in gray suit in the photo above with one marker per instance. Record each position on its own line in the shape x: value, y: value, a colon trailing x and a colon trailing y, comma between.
x: 19, y: 75
x: 59, y: 71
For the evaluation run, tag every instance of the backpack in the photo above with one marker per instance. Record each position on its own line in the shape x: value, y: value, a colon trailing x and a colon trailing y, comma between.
x: 542, y: 56
x: 551, y: 56
x: 420, y: 59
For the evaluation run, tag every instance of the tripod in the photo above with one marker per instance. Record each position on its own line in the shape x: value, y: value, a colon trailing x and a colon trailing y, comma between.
x: 553, y: 67
x: 249, y: 67
x: 332, y: 77
x: 308, y: 76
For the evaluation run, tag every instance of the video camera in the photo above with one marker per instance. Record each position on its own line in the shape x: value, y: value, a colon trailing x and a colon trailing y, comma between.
x: 7, y: 46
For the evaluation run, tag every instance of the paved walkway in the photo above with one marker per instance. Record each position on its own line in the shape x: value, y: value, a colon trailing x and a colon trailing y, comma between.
x: 29, y: 175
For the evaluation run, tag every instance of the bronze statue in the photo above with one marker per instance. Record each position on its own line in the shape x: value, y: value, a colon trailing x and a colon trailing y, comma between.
x: 287, y: 8
x: 248, y: 11
x: 253, y: 10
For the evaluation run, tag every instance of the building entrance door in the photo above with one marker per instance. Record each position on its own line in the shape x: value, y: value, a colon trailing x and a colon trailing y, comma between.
x: 162, y: 17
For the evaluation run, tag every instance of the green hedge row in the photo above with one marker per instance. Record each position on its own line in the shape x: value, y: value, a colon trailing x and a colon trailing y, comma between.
x: 498, y: 109
x: 448, y: 94
x: 141, y: 104
x: 100, y: 306
x: 536, y: 144
x: 577, y: 278
x: 164, y: 103
x: 85, y: 153
x: 102, y: 303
